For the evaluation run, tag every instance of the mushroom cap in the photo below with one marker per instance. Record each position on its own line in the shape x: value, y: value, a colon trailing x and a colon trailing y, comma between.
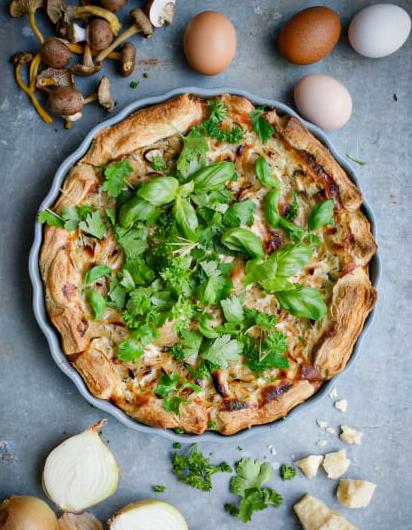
x: 160, y: 12
x: 52, y: 78
x: 141, y: 20
x: 22, y: 58
x: 65, y: 101
x: 128, y: 59
x: 19, y: 8
x: 55, y: 53
x: 113, y: 5
x: 100, y: 34
x: 56, y: 10
x: 86, y: 70
x: 104, y: 94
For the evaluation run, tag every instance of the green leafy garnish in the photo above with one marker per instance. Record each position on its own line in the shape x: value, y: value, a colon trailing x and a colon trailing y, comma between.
x: 303, y: 302
x: 193, y: 155
x: 321, y: 215
x: 244, y: 241
x: 240, y: 213
x: 158, y: 163
x: 186, y: 218
x: 232, y: 309
x: 292, y: 209
x: 356, y: 160
x: 50, y: 218
x: 194, y: 469
x: 97, y: 303
x: 267, y: 352
x: 166, y: 385
x: 260, y: 125
x: 96, y: 272
x: 212, y: 126
x: 287, y: 472
x: 213, y: 177
x: 115, y: 176
x: 159, y: 191
x: 264, y: 174
x: 134, y: 84
x: 223, y: 351
x: 251, y: 475
x: 93, y: 225
x: 158, y: 488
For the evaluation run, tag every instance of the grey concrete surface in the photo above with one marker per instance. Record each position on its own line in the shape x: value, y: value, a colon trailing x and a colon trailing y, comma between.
x: 39, y: 407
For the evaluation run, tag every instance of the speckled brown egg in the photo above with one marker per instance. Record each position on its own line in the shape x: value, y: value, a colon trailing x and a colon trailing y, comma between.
x: 210, y: 42
x: 310, y: 35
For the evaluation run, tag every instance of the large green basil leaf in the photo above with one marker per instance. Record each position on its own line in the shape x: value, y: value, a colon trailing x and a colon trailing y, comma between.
x: 291, y: 258
x: 297, y: 233
x: 213, y: 177
x: 159, y: 191
x: 186, y: 218
x: 264, y: 174
x: 244, y: 241
x: 258, y: 270
x: 321, y: 215
x: 272, y: 214
x: 303, y: 302
x: 274, y: 285
x: 137, y: 209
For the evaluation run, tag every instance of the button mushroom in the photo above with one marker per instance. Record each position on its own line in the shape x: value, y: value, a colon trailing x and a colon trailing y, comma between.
x: 113, y: 5
x: 100, y: 34
x: 66, y: 102
x: 55, y: 53
x: 141, y: 24
x: 20, y: 8
x: 87, y: 67
x: 160, y: 12
x: 128, y: 59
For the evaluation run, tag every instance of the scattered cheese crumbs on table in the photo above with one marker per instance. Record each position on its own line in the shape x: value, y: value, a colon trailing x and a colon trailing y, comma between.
x: 330, y: 430
x: 350, y: 435
x: 314, y: 514
x: 342, y: 405
x: 310, y: 465
x: 333, y: 393
x: 272, y: 450
x: 336, y: 464
x: 321, y: 443
x: 355, y: 493
x: 321, y: 424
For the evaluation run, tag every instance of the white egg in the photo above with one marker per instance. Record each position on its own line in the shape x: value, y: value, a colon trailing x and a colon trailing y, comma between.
x: 379, y: 30
x: 323, y: 100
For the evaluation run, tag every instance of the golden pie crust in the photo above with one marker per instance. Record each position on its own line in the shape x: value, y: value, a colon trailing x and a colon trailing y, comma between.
x: 234, y: 398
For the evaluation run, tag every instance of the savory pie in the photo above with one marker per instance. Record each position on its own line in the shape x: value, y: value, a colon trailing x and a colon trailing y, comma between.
x: 206, y: 265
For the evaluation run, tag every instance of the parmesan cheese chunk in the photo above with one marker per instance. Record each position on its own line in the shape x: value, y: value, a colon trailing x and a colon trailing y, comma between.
x: 350, y: 435
x: 321, y: 424
x: 355, y: 493
x: 341, y: 405
x: 314, y: 514
x: 335, y: 464
x: 310, y: 465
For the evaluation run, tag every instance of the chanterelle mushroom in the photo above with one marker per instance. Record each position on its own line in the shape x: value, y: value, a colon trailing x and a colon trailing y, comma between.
x: 113, y: 5
x: 59, y: 12
x: 160, y: 11
x: 128, y: 59
x: 55, y: 53
x: 20, y: 8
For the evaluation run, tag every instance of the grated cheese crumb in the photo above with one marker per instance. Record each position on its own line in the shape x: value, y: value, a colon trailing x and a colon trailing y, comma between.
x: 350, y: 435
x: 321, y: 424
x: 333, y: 393
x: 321, y: 443
x: 341, y: 405
x: 330, y: 430
x: 336, y: 464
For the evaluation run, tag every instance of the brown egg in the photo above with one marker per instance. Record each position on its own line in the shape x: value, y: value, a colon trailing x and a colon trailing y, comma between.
x: 210, y: 42
x: 310, y: 35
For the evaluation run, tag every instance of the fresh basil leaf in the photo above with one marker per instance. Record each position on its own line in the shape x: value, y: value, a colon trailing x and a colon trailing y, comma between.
x: 272, y: 214
x: 264, y: 174
x: 260, y: 125
x: 295, y: 232
x: 136, y: 209
x: 159, y: 191
x: 93, y: 225
x: 139, y: 271
x: 258, y: 270
x: 98, y: 304
x: 244, y: 241
x: 213, y: 177
x: 303, y: 302
x: 186, y: 218
x: 115, y: 175
x: 232, y: 309
x: 186, y: 189
x: 96, y: 272
x: 167, y: 384
x: 321, y: 215
x: 205, y: 328
x: 273, y: 285
x: 50, y: 218
x: 240, y: 213
x: 223, y: 351
x: 290, y: 259
x: 193, y: 154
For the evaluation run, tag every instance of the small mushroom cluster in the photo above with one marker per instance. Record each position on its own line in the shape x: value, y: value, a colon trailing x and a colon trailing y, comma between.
x: 96, y: 38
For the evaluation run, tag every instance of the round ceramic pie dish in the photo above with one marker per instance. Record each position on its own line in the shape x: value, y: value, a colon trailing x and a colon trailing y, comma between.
x: 39, y: 294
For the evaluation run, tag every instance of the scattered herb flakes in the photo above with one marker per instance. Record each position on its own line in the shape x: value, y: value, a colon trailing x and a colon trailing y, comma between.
x: 158, y: 488
x: 356, y: 160
x: 195, y: 469
x: 177, y: 445
x: 287, y: 472
x: 145, y: 75
x: 134, y: 84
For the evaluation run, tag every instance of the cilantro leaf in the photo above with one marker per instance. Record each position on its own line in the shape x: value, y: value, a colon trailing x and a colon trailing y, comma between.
x: 240, y: 213
x: 250, y: 474
x: 232, y: 309
x: 115, y: 175
x: 260, y: 125
x: 222, y: 351
x: 167, y: 385
x: 191, y: 342
x: 96, y: 272
x: 132, y: 240
x: 130, y: 350
x: 111, y: 215
x: 193, y: 154
x: 49, y: 217
x: 117, y: 294
x: 215, y: 286
x: 98, y: 304
x: 93, y: 225
x: 71, y: 217
x: 158, y: 488
x: 287, y: 472
x: 257, y: 499
x: 258, y: 318
x: 173, y: 404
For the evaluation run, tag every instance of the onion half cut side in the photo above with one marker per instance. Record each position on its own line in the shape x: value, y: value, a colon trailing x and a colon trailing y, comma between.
x: 148, y: 515
x: 80, y: 472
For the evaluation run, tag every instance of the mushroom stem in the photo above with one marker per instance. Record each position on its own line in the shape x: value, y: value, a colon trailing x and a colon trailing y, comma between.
x: 91, y: 98
x: 101, y: 12
x: 34, y: 67
x: 78, y: 49
x: 34, y: 27
x: 120, y: 39
x: 45, y: 116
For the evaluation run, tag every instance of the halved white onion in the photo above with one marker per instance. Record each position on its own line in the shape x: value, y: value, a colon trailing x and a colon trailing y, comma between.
x: 148, y: 514
x: 80, y: 472
x: 85, y: 521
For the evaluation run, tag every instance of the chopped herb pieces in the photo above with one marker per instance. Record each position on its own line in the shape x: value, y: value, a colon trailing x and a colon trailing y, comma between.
x: 96, y: 272
x: 356, y: 160
x: 158, y: 488
x: 177, y: 445
x: 287, y: 472
x: 261, y: 127
x: 115, y: 176
x: 134, y: 84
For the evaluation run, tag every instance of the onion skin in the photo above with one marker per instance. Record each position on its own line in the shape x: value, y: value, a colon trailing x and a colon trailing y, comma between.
x: 26, y: 513
x: 85, y: 521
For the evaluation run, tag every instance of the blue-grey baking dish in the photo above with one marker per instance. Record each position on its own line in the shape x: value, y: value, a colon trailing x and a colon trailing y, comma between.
x: 38, y: 293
